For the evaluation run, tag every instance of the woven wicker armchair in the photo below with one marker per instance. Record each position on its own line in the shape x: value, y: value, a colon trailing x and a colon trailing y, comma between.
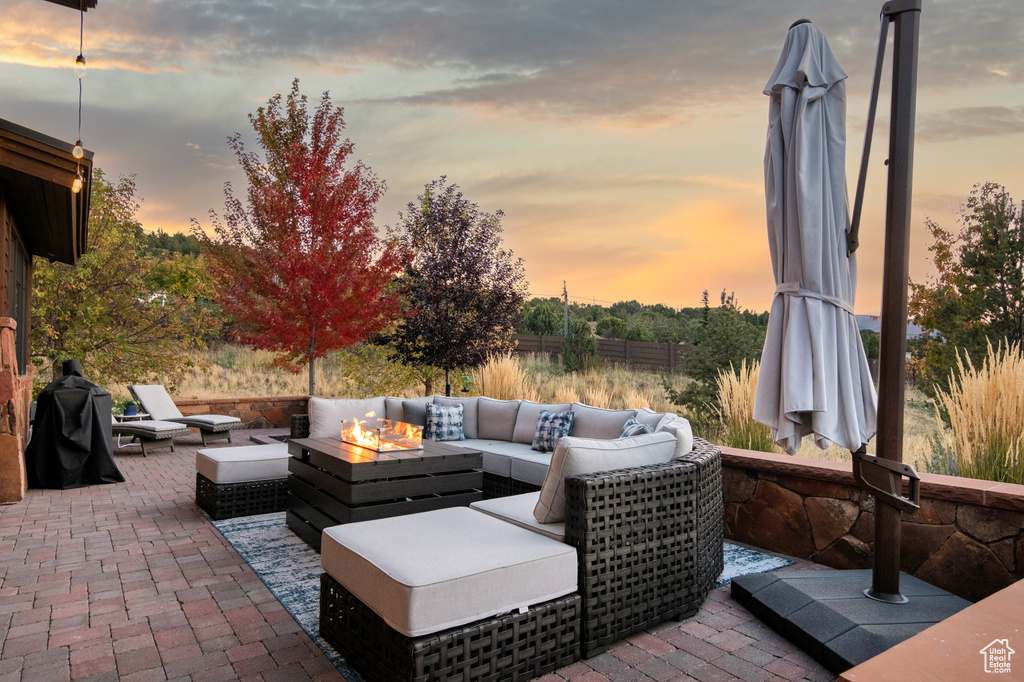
x: 649, y: 541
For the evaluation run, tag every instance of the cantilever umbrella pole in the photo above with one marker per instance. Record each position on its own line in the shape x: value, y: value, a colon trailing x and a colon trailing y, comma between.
x: 905, y: 15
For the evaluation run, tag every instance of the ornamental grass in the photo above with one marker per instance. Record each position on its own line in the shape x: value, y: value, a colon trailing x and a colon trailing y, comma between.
x: 985, y: 406
x: 736, y: 391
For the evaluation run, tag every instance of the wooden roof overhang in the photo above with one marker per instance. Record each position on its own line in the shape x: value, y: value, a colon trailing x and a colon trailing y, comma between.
x: 37, y: 172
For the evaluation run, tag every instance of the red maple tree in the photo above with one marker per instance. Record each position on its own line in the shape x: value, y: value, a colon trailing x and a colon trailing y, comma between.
x: 300, y: 267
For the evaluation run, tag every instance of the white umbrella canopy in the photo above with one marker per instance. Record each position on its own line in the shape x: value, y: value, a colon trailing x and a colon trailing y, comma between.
x: 814, y: 375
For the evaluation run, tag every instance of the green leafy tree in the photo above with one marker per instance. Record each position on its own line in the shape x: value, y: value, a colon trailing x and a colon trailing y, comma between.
x: 612, y: 328
x: 579, y: 347
x: 299, y: 266
x: 871, y: 342
x: 463, y: 292
x: 978, y: 294
x: 124, y: 315
x: 718, y: 341
x: 542, y: 319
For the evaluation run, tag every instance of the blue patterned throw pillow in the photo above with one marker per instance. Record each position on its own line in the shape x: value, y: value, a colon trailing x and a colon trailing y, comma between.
x: 550, y: 427
x: 634, y: 428
x: 444, y: 422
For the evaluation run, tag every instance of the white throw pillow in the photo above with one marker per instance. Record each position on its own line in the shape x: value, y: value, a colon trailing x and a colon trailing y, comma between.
x: 326, y: 414
x: 587, y: 455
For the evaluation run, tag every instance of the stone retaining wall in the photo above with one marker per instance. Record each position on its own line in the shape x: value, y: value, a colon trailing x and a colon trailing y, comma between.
x: 256, y: 413
x: 967, y: 537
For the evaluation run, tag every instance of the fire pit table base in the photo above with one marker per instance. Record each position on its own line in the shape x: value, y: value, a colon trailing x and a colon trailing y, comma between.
x: 331, y: 482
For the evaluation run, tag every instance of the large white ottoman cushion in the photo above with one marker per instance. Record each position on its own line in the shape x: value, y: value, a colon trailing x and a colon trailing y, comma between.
x: 428, y: 572
x: 243, y: 464
x: 518, y: 509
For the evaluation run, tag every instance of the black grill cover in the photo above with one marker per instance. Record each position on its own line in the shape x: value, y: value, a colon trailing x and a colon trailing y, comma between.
x: 71, y: 444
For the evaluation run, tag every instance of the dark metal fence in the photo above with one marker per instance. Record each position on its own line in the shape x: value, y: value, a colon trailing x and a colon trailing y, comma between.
x: 659, y: 357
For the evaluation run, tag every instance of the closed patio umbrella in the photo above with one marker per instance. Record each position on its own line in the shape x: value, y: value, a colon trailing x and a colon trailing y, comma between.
x: 814, y: 375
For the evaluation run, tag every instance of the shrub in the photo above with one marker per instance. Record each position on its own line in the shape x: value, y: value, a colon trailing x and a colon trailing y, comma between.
x: 579, y: 348
x: 736, y: 391
x: 985, y: 407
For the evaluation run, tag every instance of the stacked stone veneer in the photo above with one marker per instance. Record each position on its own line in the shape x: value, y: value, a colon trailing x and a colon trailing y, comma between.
x: 967, y: 537
x: 15, y: 396
x: 255, y: 413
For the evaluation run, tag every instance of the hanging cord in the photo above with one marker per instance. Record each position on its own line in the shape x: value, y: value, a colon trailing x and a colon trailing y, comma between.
x: 78, y: 152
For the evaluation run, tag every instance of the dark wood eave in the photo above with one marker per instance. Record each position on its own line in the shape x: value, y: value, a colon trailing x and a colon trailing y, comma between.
x: 37, y: 172
x: 86, y: 5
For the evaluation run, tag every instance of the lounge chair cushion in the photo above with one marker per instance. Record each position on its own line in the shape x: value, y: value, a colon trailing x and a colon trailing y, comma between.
x: 531, y: 467
x: 152, y: 429
x: 210, y: 422
x: 243, y: 464
x: 326, y: 414
x: 156, y: 401
x: 498, y: 454
x: 583, y: 456
x: 518, y: 509
x: 423, y: 573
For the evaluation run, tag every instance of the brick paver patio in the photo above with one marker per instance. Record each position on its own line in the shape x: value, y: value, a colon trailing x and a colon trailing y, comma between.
x: 130, y: 582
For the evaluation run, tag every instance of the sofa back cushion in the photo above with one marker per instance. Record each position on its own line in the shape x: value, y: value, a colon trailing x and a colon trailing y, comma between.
x: 469, y: 412
x: 395, y: 410
x: 597, y: 422
x: 649, y: 417
x: 496, y: 419
x: 526, y: 419
x: 326, y: 414
x: 680, y: 428
x: 587, y: 455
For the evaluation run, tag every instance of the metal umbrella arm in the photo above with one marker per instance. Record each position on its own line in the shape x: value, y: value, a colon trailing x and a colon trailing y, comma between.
x: 883, y: 478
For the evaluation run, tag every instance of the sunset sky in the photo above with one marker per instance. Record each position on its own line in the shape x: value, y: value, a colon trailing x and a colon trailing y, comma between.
x: 624, y: 139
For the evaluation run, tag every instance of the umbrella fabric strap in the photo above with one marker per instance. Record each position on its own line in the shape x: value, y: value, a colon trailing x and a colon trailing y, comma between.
x: 793, y: 289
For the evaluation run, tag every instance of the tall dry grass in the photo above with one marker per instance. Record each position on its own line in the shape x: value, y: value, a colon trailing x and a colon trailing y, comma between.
x: 736, y: 391
x: 986, y: 416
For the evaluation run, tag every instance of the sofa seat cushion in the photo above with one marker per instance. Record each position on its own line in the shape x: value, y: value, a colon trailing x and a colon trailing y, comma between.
x: 498, y: 454
x: 598, y: 422
x: 326, y: 414
x: 585, y: 455
x: 243, y: 464
x: 531, y: 467
x: 518, y: 509
x: 427, y: 572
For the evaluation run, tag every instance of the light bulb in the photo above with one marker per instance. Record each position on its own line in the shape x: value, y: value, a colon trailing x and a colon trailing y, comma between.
x: 79, y: 66
x: 76, y: 186
x: 78, y: 152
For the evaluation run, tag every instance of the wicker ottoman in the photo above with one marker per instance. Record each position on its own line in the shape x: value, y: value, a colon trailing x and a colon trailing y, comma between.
x: 242, y: 481
x: 448, y: 594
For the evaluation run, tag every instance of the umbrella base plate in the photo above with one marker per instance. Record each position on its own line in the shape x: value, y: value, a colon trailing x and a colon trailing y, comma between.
x: 827, y: 614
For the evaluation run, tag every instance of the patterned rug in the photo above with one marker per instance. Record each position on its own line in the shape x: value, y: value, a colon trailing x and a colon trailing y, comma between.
x: 291, y: 569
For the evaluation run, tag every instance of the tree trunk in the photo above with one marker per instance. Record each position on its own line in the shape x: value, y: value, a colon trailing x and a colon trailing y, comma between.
x: 428, y: 386
x: 312, y: 364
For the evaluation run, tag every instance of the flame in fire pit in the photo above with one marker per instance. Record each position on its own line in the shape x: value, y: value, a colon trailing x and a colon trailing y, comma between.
x: 381, y: 434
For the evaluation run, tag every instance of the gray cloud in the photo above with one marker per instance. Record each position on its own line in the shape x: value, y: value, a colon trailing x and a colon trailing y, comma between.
x: 606, y: 60
x: 966, y: 122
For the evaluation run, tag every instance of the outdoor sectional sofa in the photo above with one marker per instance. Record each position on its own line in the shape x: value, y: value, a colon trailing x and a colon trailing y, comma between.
x: 503, y: 430
x: 647, y: 541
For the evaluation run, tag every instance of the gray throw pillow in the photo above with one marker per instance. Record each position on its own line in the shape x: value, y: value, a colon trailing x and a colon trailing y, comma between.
x: 414, y: 412
x: 551, y: 426
x: 634, y: 428
x: 444, y: 422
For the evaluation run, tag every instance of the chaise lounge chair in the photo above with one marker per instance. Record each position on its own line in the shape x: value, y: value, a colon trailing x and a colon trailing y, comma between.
x: 157, y: 402
x: 150, y: 434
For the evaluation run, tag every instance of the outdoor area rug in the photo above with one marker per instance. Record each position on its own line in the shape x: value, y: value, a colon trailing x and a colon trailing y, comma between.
x: 291, y: 569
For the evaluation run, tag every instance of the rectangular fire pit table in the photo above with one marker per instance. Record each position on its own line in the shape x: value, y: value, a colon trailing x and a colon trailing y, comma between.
x: 331, y: 482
